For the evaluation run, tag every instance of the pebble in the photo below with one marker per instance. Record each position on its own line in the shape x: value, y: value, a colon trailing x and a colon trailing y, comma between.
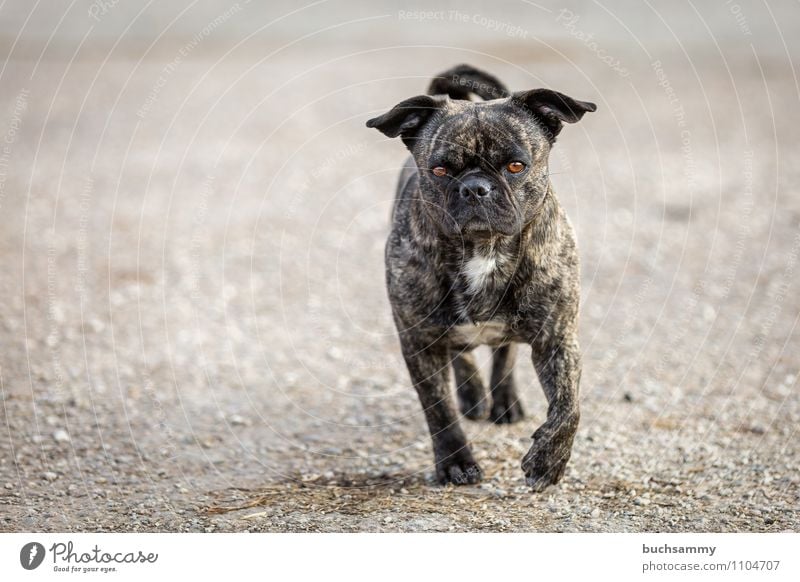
x: 49, y: 476
x: 61, y: 436
x: 255, y: 515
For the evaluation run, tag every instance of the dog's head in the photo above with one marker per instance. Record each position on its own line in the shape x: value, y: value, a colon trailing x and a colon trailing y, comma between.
x: 483, y: 165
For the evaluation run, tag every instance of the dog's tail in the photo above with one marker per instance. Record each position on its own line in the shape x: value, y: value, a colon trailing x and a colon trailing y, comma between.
x: 463, y: 80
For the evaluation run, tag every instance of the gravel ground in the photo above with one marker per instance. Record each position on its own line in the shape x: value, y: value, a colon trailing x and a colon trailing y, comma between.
x: 194, y: 329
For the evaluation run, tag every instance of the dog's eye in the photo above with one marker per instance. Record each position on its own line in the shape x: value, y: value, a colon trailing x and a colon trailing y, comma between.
x: 439, y: 171
x: 515, y: 167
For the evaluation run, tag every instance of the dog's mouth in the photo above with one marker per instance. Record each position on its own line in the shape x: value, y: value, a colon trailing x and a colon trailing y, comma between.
x: 476, y: 224
x: 495, y: 215
x: 486, y: 226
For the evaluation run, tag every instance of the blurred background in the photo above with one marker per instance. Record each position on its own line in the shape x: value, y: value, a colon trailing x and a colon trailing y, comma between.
x: 194, y: 328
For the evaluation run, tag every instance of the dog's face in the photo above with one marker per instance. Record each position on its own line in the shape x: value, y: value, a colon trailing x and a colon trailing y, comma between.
x: 483, y: 165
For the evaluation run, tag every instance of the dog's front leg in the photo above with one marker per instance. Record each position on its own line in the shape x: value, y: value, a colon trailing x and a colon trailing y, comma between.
x: 558, y: 365
x: 429, y: 368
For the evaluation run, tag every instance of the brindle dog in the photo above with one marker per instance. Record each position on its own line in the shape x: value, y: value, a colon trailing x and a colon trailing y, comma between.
x: 481, y: 253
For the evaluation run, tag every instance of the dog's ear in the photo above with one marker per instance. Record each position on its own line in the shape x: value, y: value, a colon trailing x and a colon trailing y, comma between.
x: 552, y: 109
x: 407, y: 119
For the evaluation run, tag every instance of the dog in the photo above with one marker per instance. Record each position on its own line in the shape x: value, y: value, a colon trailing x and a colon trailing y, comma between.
x: 481, y: 253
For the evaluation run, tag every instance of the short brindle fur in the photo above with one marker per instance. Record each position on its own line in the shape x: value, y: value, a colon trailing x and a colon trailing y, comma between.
x: 484, y: 256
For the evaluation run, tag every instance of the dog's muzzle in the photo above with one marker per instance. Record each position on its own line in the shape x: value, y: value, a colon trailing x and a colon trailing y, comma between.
x: 476, y: 189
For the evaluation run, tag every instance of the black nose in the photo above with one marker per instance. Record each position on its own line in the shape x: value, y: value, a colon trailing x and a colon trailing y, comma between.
x: 474, y: 188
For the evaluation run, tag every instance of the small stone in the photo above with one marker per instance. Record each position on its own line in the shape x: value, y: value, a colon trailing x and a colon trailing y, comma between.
x: 595, y: 513
x: 61, y: 436
x: 255, y: 515
x: 49, y: 476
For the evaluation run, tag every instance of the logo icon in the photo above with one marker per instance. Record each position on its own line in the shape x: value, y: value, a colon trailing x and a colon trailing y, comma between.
x: 32, y: 555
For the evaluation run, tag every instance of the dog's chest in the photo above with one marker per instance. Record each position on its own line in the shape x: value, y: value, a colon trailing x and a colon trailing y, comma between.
x: 479, y: 272
x: 480, y: 285
x: 482, y: 269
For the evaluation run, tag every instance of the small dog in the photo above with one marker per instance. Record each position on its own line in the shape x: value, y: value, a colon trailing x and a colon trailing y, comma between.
x: 481, y: 253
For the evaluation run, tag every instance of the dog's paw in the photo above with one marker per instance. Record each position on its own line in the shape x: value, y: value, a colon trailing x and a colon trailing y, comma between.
x: 473, y: 401
x: 459, y: 469
x: 544, y: 465
x: 506, y: 411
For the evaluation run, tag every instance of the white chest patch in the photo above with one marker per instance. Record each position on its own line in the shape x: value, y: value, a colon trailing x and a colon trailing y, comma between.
x: 478, y: 270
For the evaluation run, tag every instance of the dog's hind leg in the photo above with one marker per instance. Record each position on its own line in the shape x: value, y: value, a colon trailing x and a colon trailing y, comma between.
x: 473, y: 398
x: 506, y: 405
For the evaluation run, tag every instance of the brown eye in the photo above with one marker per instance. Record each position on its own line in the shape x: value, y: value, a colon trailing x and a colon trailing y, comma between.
x: 439, y: 171
x: 515, y: 167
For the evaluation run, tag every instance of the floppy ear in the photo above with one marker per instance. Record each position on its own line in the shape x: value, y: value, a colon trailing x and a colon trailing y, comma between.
x: 552, y: 108
x: 407, y: 119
